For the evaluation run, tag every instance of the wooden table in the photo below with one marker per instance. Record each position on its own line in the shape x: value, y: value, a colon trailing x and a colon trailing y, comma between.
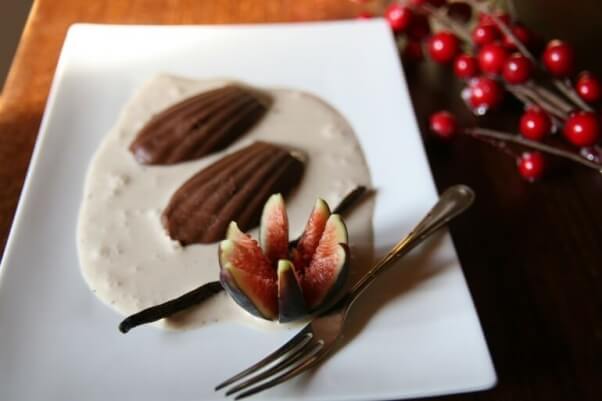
x: 532, y: 253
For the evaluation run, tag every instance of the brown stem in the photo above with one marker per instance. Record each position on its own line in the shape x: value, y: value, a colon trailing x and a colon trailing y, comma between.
x: 528, y: 102
x: 511, y: 8
x: 551, y: 97
x: 519, y: 95
x: 558, y: 121
x: 539, y: 95
x: 442, y: 17
x: 535, y: 98
x: 484, y: 7
x: 496, y: 143
x: 564, y: 87
x: 567, y: 89
x: 533, y: 145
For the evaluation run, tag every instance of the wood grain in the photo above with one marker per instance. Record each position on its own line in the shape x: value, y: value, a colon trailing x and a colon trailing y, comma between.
x: 532, y: 253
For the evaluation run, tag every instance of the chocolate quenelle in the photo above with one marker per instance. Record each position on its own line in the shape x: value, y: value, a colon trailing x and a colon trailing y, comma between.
x: 200, y: 125
x: 234, y: 188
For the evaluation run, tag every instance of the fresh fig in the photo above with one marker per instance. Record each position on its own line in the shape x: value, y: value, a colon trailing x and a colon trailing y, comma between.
x: 280, y: 281
x: 273, y: 229
x: 308, y: 242
x: 291, y: 303
x: 327, y: 270
x: 247, y: 275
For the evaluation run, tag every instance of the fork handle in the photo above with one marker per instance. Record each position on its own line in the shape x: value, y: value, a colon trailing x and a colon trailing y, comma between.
x: 452, y: 202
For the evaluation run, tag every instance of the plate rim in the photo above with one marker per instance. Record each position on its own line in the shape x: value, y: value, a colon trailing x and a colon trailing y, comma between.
x: 51, y: 103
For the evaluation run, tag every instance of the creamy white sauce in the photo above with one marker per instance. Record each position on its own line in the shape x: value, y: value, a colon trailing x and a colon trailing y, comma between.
x: 126, y: 257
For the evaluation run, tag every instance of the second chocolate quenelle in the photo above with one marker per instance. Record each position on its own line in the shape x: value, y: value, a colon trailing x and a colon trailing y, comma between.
x: 233, y: 188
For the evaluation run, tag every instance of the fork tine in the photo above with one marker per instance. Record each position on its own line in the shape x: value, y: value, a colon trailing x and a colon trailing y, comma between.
x: 313, y: 357
x: 291, y: 344
x: 290, y: 359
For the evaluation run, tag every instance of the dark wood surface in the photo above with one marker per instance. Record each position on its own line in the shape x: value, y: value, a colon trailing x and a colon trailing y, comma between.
x: 532, y: 253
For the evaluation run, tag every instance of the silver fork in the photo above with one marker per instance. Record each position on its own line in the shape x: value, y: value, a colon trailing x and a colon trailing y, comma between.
x: 319, y: 336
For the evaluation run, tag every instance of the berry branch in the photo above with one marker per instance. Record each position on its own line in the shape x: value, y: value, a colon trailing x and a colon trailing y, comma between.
x: 442, y: 18
x: 485, y: 8
x: 551, y: 97
x: 506, y: 137
x: 511, y: 8
x: 535, y: 97
x: 566, y: 88
x: 501, y: 56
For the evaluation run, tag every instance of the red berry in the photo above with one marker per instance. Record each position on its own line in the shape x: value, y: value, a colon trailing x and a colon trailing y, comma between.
x: 588, y: 87
x: 484, y: 34
x: 443, y: 124
x: 413, y: 51
x: 365, y: 15
x: 399, y: 17
x: 582, y: 128
x: 459, y: 11
x: 443, y: 47
x: 484, y: 93
x: 522, y: 33
x: 492, y: 58
x: 517, y: 69
x: 419, y: 27
x: 487, y: 19
x: 535, y: 124
x: 559, y: 58
x: 466, y: 66
x: 531, y: 165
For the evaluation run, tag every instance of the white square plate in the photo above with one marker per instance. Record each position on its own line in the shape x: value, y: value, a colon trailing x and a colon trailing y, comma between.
x: 58, y: 342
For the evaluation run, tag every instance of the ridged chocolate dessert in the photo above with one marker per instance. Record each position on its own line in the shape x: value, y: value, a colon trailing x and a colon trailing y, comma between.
x: 200, y: 125
x: 233, y: 188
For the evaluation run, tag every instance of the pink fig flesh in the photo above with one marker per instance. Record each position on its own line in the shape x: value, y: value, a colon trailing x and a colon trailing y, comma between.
x: 275, y: 282
x: 273, y: 231
x: 327, y: 270
x: 247, y: 275
x: 311, y: 235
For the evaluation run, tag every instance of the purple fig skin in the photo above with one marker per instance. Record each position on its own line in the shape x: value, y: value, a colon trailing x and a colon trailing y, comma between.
x: 230, y: 276
x: 291, y: 303
x: 237, y: 295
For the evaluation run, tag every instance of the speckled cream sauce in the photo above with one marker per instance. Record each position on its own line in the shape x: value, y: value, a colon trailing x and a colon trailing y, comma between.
x: 127, y: 259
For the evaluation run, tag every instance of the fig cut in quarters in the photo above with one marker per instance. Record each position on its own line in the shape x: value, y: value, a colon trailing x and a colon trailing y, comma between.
x: 276, y: 281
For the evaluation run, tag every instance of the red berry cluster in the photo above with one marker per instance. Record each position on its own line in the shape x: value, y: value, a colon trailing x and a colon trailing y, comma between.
x: 493, y: 54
